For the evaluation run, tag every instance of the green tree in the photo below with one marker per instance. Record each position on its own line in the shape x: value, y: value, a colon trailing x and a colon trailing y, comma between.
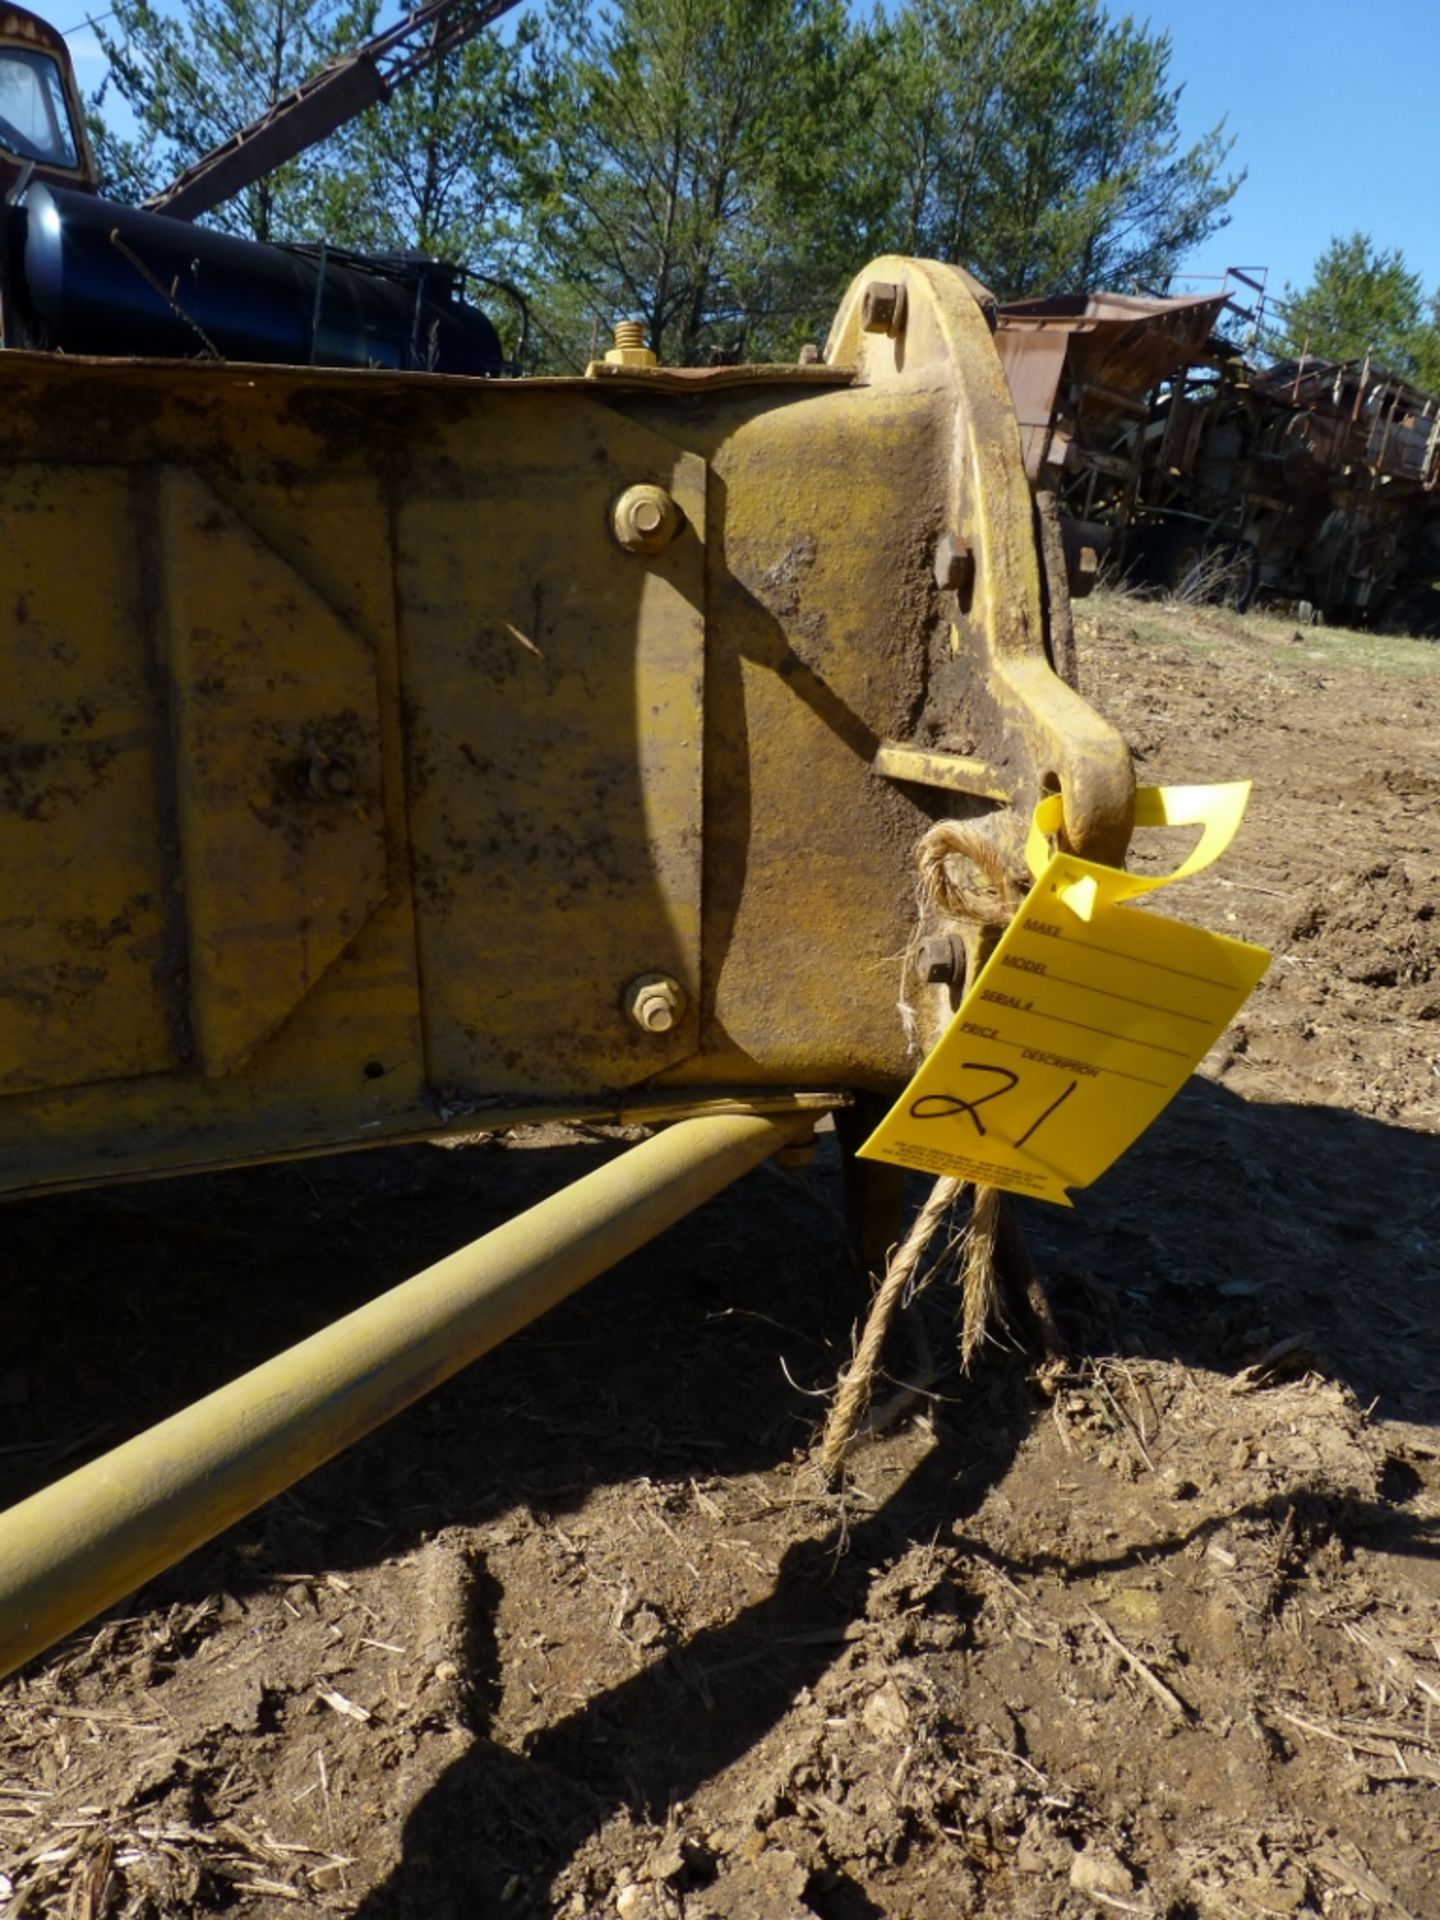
x: 685, y: 155
x: 433, y: 170
x: 1037, y: 143
x: 1425, y: 348
x: 716, y: 168
x: 1362, y: 299
x: 193, y: 79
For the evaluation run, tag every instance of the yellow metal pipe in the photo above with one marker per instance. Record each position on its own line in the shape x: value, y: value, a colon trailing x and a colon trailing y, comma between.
x: 77, y: 1547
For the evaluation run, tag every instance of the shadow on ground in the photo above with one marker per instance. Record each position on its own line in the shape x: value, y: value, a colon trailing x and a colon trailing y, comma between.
x: 1230, y: 1227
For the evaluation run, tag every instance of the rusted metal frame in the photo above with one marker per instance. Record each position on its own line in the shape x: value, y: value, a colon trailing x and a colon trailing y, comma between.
x: 1112, y: 397
x: 1430, y: 470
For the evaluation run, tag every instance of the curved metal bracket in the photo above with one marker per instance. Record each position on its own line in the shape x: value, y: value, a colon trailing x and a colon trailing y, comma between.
x: 1056, y: 739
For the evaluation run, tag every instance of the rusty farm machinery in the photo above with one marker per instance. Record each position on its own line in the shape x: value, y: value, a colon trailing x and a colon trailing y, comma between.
x: 1194, y: 472
x: 390, y: 753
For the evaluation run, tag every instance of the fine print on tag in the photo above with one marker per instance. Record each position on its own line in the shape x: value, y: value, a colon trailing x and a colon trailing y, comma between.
x: 1085, y: 1022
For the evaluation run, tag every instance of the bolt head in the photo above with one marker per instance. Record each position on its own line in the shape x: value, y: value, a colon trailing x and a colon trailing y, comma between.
x: 645, y: 519
x: 630, y: 357
x: 884, y: 307
x: 941, y: 961
x: 655, y: 1002
x: 954, y: 563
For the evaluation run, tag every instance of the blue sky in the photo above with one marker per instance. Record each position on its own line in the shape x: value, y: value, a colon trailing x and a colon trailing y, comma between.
x: 1332, y: 104
x: 1333, y: 108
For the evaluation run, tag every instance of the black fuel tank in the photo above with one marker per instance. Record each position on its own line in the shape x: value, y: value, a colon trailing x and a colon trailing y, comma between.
x: 105, y: 279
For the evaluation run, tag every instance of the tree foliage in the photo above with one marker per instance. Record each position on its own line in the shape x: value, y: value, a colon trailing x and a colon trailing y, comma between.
x: 680, y: 148
x: 1425, y: 348
x: 1362, y: 300
x: 1034, y: 141
x: 716, y: 168
x: 192, y: 79
x: 435, y: 169
x: 1037, y: 142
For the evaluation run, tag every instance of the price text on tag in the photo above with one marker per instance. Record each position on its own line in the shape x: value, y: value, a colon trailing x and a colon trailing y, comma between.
x: 1084, y: 1023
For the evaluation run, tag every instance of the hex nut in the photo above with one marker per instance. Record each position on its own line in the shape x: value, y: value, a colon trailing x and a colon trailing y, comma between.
x: 954, y: 564
x: 655, y: 1002
x: 645, y: 519
x: 884, y: 307
x: 941, y: 961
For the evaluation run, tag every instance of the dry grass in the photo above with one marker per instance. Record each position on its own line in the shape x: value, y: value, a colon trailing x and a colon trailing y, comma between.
x: 1118, y: 612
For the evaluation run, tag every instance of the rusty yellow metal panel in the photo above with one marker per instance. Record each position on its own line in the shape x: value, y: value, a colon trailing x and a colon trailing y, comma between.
x: 553, y: 688
x: 694, y: 745
x: 818, y: 647
x: 279, y: 781
x: 90, y: 929
x: 347, y: 1065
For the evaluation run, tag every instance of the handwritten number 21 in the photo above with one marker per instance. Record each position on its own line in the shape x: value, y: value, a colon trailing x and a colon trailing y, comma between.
x: 949, y: 1106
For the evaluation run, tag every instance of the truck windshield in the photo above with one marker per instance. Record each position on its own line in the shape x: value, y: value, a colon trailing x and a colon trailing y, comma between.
x: 34, y: 113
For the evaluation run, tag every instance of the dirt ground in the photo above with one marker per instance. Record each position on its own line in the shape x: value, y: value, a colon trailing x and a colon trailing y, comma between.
x: 582, y: 1635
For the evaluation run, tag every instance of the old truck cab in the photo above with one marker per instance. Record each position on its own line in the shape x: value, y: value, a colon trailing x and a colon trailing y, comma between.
x: 42, y: 127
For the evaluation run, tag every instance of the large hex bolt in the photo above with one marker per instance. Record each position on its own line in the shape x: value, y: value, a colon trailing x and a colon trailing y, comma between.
x: 655, y: 1002
x: 885, y: 307
x: 645, y: 519
x: 954, y: 564
x: 941, y: 963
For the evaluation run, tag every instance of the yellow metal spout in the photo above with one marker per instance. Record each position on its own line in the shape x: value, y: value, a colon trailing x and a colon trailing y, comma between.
x: 75, y: 1548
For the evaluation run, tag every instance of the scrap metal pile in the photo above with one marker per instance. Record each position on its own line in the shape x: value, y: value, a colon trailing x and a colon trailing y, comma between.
x: 1193, y: 471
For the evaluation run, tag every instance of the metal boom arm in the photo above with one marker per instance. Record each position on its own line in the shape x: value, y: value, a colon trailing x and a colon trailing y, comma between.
x: 325, y: 102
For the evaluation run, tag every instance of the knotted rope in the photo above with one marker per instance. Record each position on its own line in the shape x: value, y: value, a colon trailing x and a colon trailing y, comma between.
x: 964, y: 880
x: 944, y: 886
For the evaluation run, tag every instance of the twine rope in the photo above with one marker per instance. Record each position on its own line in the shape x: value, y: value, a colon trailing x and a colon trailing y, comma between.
x: 945, y: 886
x: 962, y: 876
x: 854, y: 1394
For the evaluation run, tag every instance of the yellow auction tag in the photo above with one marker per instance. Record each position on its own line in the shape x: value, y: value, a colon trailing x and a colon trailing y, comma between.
x: 1084, y: 1023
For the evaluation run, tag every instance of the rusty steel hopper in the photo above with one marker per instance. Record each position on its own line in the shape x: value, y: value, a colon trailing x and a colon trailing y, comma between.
x: 1082, y: 369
